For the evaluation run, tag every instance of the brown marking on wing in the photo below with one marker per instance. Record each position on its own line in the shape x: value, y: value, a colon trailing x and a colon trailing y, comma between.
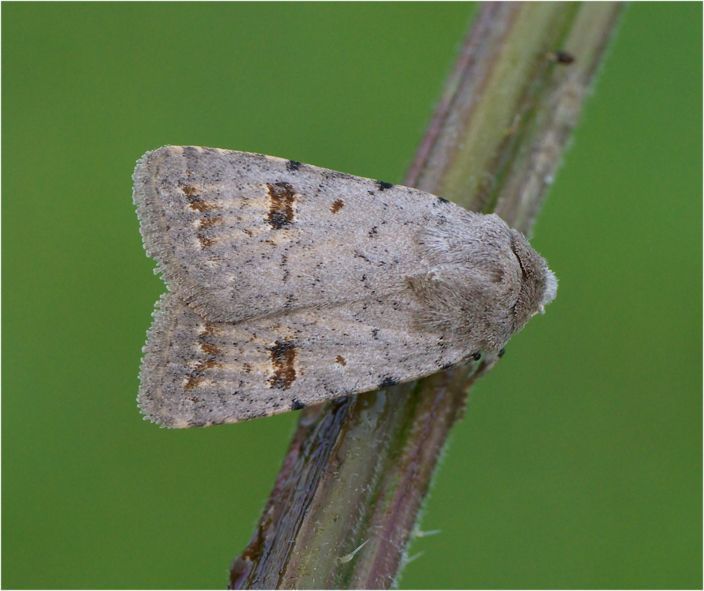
x: 337, y: 205
x: 206, y: 223
x: 195, y: 201
x: 203, y: 225
x: 283, y: 357
x: 211, y: 351
x: 205, y: 242
x: 196, y: 375
x: 193, y: 380
x: 341, y: 360
x: 281, y: 197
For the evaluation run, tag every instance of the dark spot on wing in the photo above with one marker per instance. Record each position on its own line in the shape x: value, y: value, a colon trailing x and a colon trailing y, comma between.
x: 284, y: 266
x: 496, y: 275
x: 293, y: 165
x: 247, y: 368
x: 337, y: 205
x: 375, y: 333
x: 373, y: 231
x: 281, y: 200
x: 283, y: 357
x: 297, y: 404
x: 360, y: 255
x: 383, y: 185
x: 341, y: 360
x: 443, y: 200
x: 476, y: 356
x: 388, y: 381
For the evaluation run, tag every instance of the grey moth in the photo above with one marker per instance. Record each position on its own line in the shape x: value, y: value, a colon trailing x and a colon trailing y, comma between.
x: 289, y: 284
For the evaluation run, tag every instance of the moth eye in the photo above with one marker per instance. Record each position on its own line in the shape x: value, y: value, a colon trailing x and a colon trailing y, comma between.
x: 502, y: 352
x: 476, y: 356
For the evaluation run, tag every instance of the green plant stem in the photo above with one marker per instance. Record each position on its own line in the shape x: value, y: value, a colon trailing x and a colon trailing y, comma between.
x: 348, y: 495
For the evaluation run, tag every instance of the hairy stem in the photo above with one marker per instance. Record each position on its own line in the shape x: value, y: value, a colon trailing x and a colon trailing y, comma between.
x: 347, y: 498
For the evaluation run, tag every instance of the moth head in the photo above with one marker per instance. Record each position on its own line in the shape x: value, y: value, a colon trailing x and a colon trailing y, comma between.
x: 538, y: 283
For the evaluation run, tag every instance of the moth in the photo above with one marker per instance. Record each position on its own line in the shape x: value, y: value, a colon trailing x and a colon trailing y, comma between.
x: 289, y: 284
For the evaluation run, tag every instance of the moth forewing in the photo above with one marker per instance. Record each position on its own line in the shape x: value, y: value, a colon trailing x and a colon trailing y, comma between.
x: 239, y: 235
x: 197, y: 373
x: 292, y: 284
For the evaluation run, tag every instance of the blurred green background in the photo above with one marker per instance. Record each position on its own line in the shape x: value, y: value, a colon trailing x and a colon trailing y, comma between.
x: 579, y: 462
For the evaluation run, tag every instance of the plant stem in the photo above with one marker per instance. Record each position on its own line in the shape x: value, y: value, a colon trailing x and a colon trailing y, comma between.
x: 347, y: 498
